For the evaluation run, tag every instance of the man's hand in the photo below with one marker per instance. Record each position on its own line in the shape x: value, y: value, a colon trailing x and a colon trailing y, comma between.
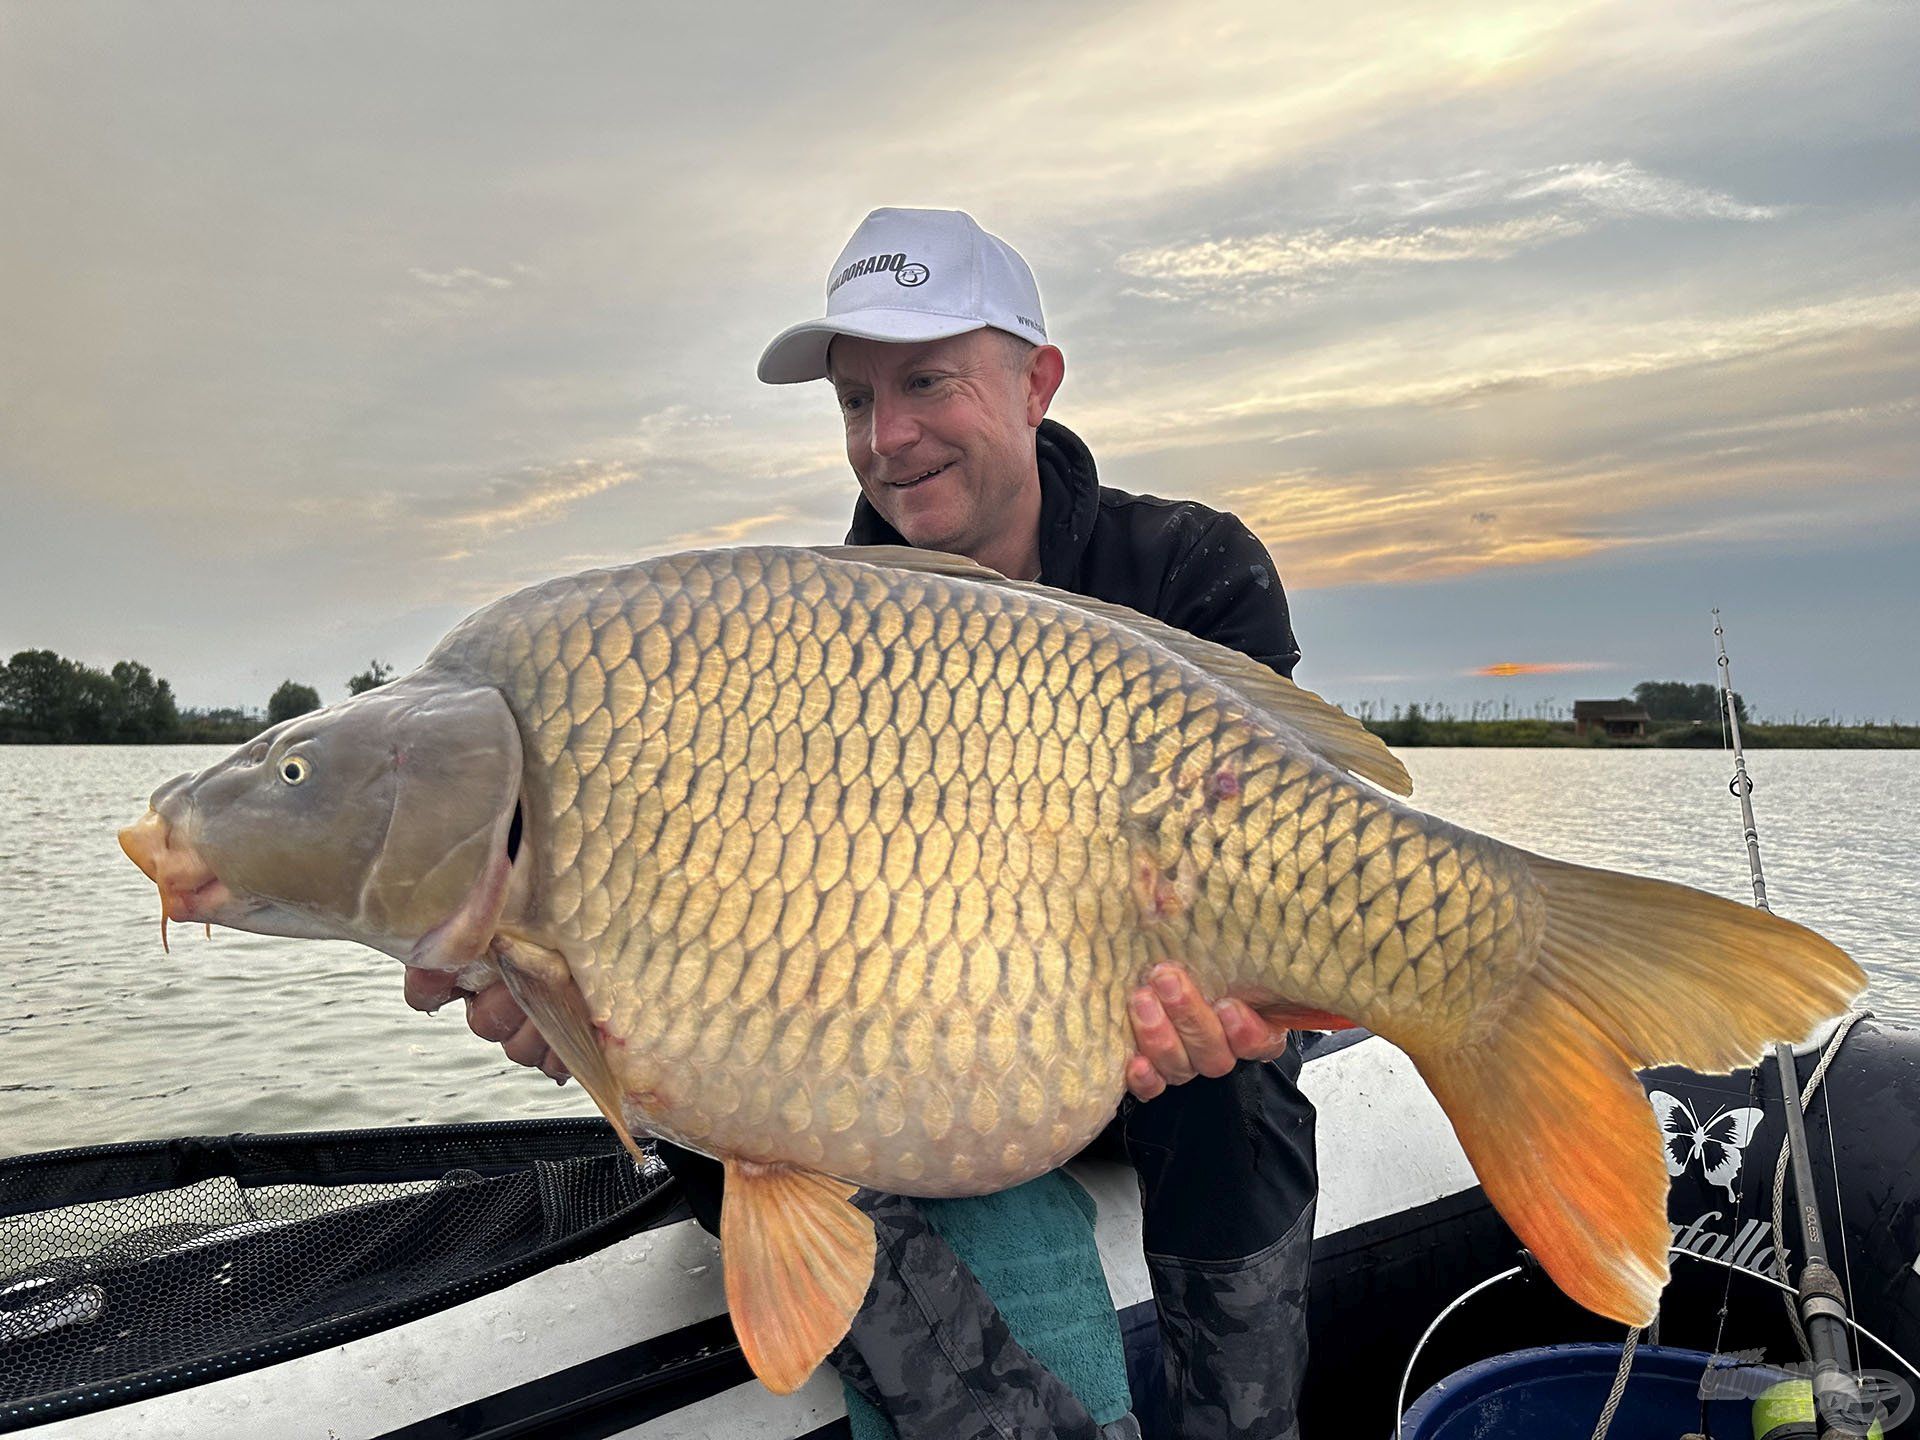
x: 1181, y: 1036
x: 492, y: 1014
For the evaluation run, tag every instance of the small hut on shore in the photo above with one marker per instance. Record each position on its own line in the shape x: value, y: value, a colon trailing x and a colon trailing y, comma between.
x: 1616, y: 719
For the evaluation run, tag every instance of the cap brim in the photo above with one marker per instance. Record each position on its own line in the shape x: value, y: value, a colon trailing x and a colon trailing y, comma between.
x: 800, y: 352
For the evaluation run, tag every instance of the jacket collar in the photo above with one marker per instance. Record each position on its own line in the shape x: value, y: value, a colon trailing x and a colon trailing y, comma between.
x: 1069, y: 504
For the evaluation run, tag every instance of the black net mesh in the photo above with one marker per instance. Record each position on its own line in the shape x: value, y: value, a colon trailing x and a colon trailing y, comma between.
x: 130, y: 1269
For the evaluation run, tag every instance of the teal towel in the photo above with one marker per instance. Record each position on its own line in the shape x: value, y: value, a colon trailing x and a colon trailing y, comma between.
x: 1032, y: 1250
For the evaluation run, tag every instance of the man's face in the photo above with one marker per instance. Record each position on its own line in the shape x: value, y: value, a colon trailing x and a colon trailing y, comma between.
x: 940, y: 433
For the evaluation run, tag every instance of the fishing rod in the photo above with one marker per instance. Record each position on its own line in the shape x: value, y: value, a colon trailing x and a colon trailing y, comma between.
x: 1823, y: 1306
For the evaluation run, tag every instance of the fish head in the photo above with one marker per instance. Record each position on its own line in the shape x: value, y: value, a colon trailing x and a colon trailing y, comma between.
x: 393, y: 819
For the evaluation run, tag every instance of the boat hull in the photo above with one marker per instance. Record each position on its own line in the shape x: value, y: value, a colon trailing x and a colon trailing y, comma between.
x: 626, y: 1327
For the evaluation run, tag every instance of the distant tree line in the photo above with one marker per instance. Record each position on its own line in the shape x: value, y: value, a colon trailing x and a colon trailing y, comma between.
x: 46, y: 698
x: 1663, y: 700
x: 1676, y: 700
x: 1680, y: 716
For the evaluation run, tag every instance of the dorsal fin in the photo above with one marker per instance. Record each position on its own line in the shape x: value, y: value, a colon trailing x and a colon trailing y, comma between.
x: 1331, y: 733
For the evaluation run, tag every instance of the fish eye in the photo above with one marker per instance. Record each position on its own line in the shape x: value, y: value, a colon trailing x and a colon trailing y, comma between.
x: 294, y: 769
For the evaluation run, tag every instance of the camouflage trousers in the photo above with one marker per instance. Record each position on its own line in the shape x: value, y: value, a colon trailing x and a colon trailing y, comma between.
x: 1228, y: 1182
x: 931, y: 1353
x: 1233, y: 1342
x: 1227, y: 1187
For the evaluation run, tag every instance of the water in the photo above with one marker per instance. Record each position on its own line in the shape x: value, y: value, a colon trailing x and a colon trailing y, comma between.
x: 102, y: 1037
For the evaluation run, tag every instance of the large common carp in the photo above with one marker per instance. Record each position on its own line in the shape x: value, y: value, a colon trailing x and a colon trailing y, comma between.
x: 840, y: 866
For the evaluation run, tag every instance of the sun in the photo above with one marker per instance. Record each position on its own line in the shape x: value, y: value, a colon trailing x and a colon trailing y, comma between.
x: 1490, y: 42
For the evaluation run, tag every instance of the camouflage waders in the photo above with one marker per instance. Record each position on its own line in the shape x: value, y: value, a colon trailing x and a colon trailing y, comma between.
x: 1227, y: 1188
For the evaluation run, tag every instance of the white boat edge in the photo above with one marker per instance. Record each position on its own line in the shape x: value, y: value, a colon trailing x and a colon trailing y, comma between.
x: 659, y: 1281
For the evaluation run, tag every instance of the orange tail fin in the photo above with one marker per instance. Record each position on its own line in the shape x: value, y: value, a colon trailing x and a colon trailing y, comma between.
x: 1632, y: 973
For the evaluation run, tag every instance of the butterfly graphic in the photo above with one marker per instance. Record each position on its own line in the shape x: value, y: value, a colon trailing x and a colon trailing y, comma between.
x: 1717, y: 1143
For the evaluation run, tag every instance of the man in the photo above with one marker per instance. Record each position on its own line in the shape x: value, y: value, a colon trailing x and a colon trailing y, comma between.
x: 935, y: 345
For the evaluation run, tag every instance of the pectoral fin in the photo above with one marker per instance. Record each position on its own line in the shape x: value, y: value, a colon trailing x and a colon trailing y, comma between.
x: 798, y: 1257
x: 1298, y: 1017
x: 540, y: 980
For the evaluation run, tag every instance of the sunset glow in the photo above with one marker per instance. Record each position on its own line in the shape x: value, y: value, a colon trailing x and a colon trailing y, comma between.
x: 1507, y: 669
x: 1510, y: 327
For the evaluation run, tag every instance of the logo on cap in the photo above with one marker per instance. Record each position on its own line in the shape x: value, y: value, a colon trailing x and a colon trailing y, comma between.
x: 912, y: 274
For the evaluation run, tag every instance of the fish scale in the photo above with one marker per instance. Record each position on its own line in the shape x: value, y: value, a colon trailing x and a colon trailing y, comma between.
x: 842, y: 866
x: 857, y: 797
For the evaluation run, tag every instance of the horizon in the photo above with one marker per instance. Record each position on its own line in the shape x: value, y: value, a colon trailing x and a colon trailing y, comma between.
x: 1522, y: 334
x: 1370, y: 708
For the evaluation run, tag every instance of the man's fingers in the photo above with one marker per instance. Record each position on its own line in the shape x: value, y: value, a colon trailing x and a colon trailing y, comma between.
x: 493, y: 1015
x: 526, y: 1046
x: 1194, y: 1020
x: 1159, y: 1044
x: 1250, y: 1037
x: 1143, y: 1080
x: 428, y: 989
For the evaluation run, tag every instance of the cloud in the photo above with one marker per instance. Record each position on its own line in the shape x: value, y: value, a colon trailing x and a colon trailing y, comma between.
x: 426, y: 342
x: 1554, y: 203
x: 1809, y: 419
x: 533, y: 494
x: 1623, y: 188
x: 1407, y: 525
x: 1398, y: 522
x: 462, y: 278
x: 1285, y: 262
x: 440, y: 296
x: 1545, y: 351
x: 536, y: 494
x: 1605, y: 187
x: 729, y: 532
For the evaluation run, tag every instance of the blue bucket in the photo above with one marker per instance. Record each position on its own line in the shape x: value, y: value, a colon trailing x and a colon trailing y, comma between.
x: 1555, y: 1392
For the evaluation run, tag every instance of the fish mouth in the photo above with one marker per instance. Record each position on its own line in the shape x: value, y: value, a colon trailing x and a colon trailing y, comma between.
x: 189, y: 888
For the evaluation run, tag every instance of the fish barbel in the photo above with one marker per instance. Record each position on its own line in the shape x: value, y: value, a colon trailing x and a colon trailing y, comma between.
x: 840, y: 866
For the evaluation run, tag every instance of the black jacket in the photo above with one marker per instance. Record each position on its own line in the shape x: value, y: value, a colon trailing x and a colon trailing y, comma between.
x: 1176, y: 560
x: 1247, y: 1135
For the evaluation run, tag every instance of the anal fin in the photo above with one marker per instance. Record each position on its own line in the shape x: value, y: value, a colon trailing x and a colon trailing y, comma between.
x: 798, y: 1257
x: 540, y: 980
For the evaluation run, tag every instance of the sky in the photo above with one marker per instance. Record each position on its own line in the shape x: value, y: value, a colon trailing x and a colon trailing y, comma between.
x: 1523, y: 334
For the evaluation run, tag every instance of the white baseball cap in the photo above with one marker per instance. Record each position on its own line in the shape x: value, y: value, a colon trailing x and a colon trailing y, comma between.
x: 910, y: 275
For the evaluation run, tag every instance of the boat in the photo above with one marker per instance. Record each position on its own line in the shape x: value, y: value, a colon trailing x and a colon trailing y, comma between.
x: 527, y: 1279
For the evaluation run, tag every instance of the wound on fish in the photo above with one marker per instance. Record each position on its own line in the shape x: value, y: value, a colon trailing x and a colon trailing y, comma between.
x: 1161, y: 892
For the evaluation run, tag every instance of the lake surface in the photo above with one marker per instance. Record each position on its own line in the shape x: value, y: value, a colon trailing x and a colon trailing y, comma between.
x: 103, y: 1038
